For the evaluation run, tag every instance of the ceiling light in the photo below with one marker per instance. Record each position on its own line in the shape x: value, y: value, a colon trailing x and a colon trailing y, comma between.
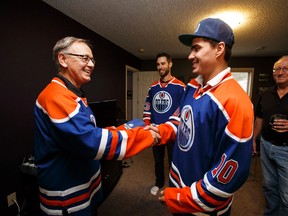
x: 233, y: 19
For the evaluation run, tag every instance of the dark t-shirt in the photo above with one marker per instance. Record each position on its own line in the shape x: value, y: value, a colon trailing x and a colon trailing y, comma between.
x: 269, y: 104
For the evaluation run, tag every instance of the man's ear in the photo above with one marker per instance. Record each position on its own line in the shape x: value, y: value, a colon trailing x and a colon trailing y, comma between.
x: 170, y: 64
x: 62, y: 60
x: 220, y: 48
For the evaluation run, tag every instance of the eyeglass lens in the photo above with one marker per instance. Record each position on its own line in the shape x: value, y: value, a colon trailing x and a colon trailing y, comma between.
x: 277, y: 70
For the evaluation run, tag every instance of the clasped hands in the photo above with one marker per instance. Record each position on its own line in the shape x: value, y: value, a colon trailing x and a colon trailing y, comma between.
x: 154, y: 132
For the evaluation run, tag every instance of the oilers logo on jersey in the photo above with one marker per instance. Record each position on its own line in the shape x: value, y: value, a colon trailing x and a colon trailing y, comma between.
x: 92, y: 118
x: 185, y: 135
x: 146, y: 106
x: 162, y: 102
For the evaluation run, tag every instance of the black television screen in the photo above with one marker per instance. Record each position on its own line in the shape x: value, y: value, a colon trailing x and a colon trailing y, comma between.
x: 105, y: 112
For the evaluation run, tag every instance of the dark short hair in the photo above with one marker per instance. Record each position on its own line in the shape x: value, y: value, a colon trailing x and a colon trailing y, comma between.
x: 228, y: 50
x: 163, y: 54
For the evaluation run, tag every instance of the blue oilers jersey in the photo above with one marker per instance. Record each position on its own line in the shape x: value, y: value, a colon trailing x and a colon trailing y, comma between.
x: 162, y: 100
x: 68, y: 147
x: 213, y: 144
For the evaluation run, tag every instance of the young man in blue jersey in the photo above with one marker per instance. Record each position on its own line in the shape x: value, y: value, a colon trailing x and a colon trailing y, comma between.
x: 68, y: 143
x: 162, y: 100
x: 274, y: 140
x: 212, y: 129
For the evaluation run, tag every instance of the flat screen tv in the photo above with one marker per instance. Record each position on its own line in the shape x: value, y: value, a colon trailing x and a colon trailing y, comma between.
x: 105, y: 112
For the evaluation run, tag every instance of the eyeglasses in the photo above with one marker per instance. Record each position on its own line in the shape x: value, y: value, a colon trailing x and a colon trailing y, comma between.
x: 277, y: 70
x: 84, y: 58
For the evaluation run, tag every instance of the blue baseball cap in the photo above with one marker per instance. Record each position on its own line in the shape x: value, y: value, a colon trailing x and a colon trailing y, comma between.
x: 211, y: 28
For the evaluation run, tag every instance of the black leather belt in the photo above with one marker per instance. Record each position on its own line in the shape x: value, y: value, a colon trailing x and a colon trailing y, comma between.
x: 279, y: 143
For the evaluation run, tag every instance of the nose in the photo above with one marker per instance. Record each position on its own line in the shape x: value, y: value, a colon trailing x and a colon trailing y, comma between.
x: 91, y: 63
x: 191, y: 56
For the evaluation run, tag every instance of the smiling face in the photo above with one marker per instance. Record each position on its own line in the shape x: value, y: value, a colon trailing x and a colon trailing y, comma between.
x: 163, y: 66
x: 280, y: 76
x: 76, y: 68
x: 205, y: 58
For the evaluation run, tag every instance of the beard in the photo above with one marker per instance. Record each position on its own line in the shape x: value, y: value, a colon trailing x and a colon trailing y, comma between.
x: 164, y: 74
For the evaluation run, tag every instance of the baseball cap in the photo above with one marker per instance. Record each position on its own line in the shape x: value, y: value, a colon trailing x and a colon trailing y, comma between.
x: 212, y: 28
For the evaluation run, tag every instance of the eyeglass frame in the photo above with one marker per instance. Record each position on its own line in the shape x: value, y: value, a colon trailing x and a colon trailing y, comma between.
x: 277, y: 70
x: 84, y: 58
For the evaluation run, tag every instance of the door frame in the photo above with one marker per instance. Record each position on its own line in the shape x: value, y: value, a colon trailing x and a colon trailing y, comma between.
x: 134, y: 93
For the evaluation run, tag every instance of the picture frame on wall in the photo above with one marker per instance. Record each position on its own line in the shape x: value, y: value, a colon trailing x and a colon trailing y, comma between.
x: 262, y: 89
x: 263, y: 77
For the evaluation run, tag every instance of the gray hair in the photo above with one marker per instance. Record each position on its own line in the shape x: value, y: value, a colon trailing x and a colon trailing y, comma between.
x: 63, y: 44
x: 280, y: 59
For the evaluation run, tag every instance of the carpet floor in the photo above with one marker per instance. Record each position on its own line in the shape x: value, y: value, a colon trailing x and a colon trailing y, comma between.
x: 131, y: 196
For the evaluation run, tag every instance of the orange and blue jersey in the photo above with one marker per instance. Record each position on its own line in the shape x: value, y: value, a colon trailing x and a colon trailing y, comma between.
x: 213, y: 144
x: 162, y: 100
x: 68, y: 146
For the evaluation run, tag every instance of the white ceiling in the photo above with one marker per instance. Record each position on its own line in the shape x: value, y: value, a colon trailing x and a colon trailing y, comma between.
x: 154, y: 25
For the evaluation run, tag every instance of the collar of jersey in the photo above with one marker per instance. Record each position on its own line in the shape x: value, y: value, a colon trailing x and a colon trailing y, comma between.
x: 217, y: 79
x: 71, y: 87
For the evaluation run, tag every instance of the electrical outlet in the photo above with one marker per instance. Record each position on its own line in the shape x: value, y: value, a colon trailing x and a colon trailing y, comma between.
x: 10, y: 199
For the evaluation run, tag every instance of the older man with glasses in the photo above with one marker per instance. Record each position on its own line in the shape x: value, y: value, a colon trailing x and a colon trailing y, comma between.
x: 68, y: 143
x: 272, y: 124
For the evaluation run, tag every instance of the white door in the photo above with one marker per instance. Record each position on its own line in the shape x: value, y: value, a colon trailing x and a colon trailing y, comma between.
x: 141, y: 83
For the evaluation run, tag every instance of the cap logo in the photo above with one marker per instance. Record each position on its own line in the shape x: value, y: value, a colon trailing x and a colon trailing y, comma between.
x: 198, y: 26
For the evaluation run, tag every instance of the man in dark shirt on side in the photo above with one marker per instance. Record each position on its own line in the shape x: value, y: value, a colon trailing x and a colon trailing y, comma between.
x: 271, y: 122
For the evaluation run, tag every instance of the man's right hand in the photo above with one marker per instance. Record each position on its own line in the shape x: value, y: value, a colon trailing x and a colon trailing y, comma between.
x: 154, y: 132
